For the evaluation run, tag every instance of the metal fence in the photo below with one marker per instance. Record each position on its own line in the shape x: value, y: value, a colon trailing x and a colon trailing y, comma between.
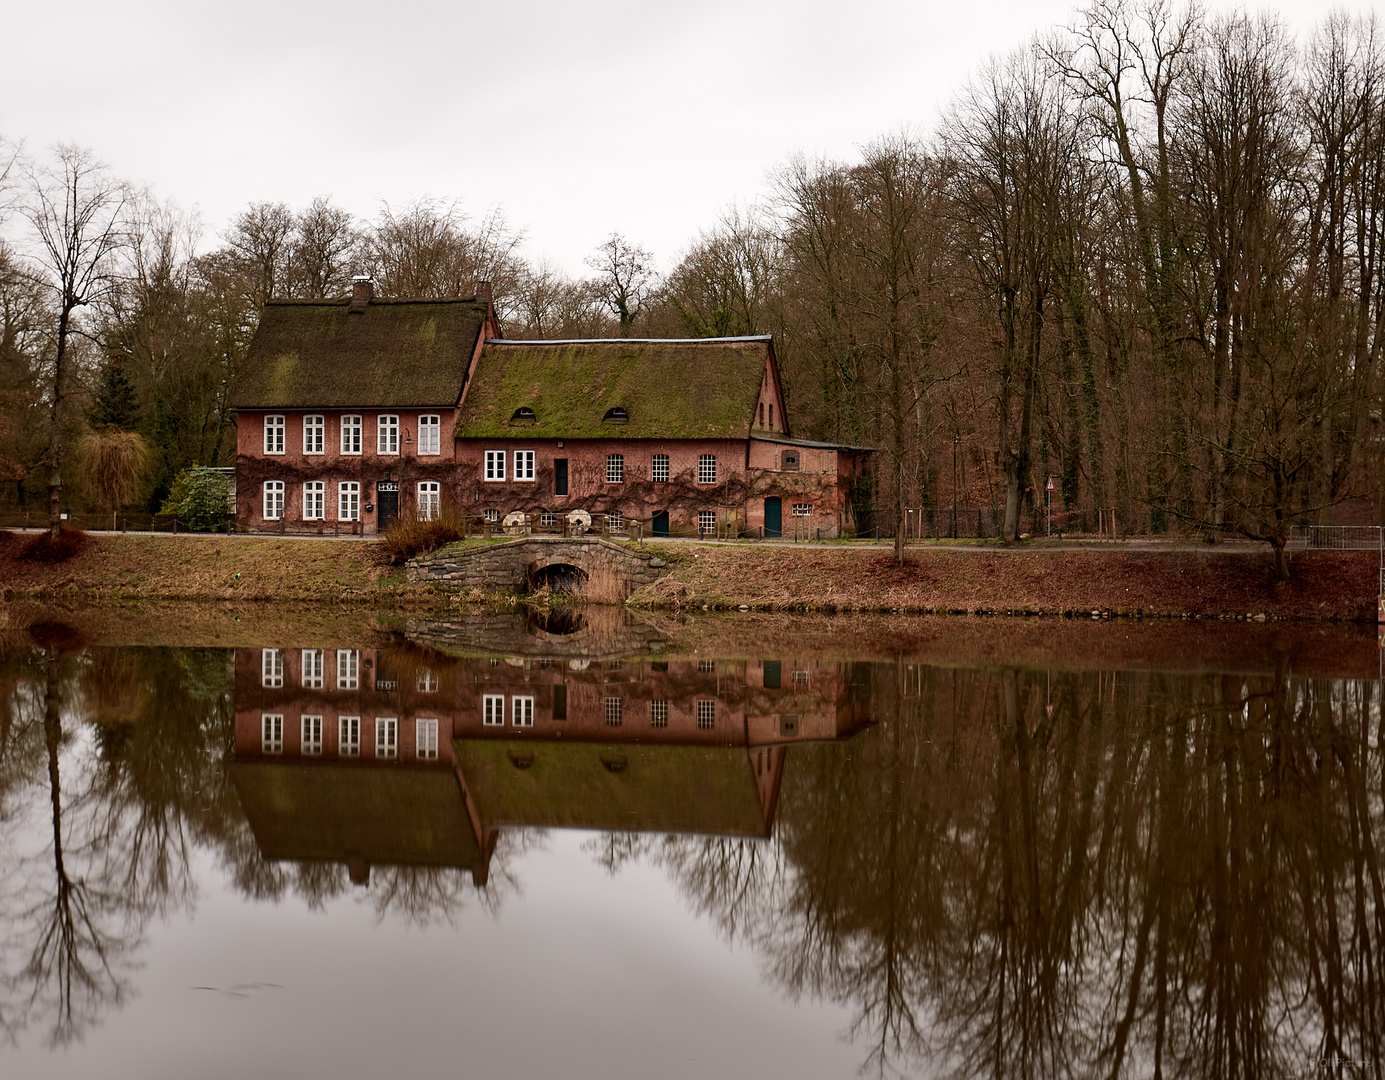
x: 1336, y: 538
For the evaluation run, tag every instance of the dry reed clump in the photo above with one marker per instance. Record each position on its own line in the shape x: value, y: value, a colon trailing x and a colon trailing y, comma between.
x: 43, y: 548
x: 407, y: 538
x: 604, y: 586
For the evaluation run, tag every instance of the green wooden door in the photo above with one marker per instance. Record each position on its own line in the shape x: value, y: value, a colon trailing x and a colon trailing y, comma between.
x: 774, y: 517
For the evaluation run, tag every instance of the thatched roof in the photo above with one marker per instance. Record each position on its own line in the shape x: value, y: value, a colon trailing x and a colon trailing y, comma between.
x: 379, y: 814
x: 394, y: 354
x: 614, y: 786
x: 669, y: 389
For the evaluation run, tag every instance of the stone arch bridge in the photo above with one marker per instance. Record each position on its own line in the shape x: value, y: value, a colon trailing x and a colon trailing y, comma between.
x: 565, y: 564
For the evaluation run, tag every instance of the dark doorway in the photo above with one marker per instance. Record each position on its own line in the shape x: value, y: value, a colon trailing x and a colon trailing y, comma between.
x: 774, y: 517
x: 387, y: 502
x: 660, y: 525
x: 560, y: 476
x: 561, y: 577
x: 772, y: 674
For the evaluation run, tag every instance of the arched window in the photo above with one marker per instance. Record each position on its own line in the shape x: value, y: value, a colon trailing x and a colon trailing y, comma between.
x: 524, y: 415
x: 617, y: 415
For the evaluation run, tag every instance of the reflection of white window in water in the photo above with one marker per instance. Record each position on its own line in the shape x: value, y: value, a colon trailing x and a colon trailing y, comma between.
x: 522, y: 711
x: 272, y: 733
x: 386, y: 736
x: 312, y: 669
x: 312, y: 736
x: 426, y: 740
x: 493, y: 710
x: 348, y: 669
x: 271, y: 668
x: 349, y: 736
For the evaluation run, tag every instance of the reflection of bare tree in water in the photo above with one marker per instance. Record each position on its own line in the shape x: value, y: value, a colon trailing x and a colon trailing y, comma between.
x: 1112, y: 875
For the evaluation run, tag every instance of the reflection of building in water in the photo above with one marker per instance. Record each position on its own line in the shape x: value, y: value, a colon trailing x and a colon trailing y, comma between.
x: 413, y: 758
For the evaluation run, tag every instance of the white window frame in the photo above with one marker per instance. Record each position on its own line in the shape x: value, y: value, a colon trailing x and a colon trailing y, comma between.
x: 274, y: 433
x: 314, y: 433
x: 273, y: 500
x: 706, y: 522
x: 495, y: 466
x: 428, y: 681
x: 311, y: 735
x: 492, y: 515
x: 348, y: 736
x: 658, y: 468
x: 348, y: 669
x: 706, y: 468
x: 429, y: 434
x: 271, y: 733
x: 524, y: 465
x: 548, y: 520
x: 387, y: 434
x: 802, y: 510
x: 706, y: 714
x: 425, y: 739
x: 311, y: 670
x: 615, y: 522
x: 271, y: 668
x: 613, y: 710
x: 429, y: 500
x: 658, y: 713
x: 522, y: 710
x: 314, y: 500
x: 386, y: 736
x: 615, y: 468
x: 492, y: 710
x: 349, y: 500
x: 351, y: 434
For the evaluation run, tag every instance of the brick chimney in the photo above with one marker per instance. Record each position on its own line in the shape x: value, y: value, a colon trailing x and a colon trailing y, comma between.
x: 483, y: 293
x: 362, y: 292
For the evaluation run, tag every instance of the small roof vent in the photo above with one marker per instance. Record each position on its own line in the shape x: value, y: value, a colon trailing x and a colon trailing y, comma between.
x: 524, y: 415
x: 616, y: 415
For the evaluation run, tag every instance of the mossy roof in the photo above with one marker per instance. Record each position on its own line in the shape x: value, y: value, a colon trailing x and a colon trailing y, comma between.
x: 671, y: 389
x: 625, y: 787
x: 395, y: 354
x: 385, y: 814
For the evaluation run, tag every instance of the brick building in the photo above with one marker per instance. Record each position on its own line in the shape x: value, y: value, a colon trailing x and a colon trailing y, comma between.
x: 354, y: 411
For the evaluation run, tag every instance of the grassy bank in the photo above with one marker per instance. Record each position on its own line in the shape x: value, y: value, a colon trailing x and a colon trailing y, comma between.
x: 1116, y: 581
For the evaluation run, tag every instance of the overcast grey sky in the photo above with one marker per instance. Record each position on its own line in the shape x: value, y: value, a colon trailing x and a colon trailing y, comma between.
x: 577, y: 118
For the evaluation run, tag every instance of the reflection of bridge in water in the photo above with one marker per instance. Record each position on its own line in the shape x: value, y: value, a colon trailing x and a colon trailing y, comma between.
x: 411, y: 757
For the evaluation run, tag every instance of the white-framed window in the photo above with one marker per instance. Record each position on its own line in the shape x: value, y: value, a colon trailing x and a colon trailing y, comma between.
x: 615, y: 468
x: 273, y: 500
x: 314, y: 433
x: 706, y: 665
x: 802, y: 509
x: 312, y: 736
x: 658, y: 714
x: 274, y: 434
x: 615, y: 522
x: 350, y: 434
x: 314, y: 500
x: 430, y: 434
x: 348, y: 736
x: 614, y: 708
x: 492, y: 515
x: 349, y: 500
x: 706, y: 521
x: 426, y: 740
x: 348, y: 669
x: 548, y: 519
x: 312, y: 669
x: 272, y: 733
x: 706, y: 715
x: 522, y: 710
x: 493, y: 710
x: 495, y: 464
x: 658, y: 468
x: 706, y: 468
x: 802, y: 678
x: 387, y: 434
x: 386, y: 737
x: 429, y: 500
x: 271, y: 668
x: 428, y: 681
x: 524, y: 464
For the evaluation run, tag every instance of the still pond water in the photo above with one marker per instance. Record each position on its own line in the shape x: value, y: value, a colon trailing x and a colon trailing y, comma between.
x: 471, y: 851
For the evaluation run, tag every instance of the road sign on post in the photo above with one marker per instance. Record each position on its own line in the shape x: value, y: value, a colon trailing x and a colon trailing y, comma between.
x: 1048, y: 500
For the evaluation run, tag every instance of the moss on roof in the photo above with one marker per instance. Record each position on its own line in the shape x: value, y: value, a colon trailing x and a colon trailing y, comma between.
x: 619, y: 786
x: 395, y: 354
x: 671, y: 389
x: 382, y: 814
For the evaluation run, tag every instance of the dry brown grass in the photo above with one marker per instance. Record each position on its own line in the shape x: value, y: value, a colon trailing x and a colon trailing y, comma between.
x: 604, y: 586
x: 407, y: 538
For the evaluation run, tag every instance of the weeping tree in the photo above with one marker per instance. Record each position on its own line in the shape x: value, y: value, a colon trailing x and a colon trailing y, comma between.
x: 113, y: 465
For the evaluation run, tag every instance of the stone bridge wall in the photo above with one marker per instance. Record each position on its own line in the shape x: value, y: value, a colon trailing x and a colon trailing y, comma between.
x: 511, y: 565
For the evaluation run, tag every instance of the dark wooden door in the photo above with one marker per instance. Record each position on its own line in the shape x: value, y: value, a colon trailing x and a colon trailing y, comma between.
x: 560, y: 476
x: 661, y: 523
x: 774, y: 517
x: 386, y: 503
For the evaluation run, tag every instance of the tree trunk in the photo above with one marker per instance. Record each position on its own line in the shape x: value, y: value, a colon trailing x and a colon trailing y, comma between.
x: 55, y: 452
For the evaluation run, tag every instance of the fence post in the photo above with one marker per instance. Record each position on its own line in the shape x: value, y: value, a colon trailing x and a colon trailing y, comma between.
x: 175, y: 526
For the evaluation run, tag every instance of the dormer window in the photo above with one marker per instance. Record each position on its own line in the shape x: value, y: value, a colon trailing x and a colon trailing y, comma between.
x: 616, y: 415
x: 524, y: 415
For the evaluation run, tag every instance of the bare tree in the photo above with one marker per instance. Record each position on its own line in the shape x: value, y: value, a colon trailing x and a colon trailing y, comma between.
x: 626, y: 281
x: 76, y: 210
